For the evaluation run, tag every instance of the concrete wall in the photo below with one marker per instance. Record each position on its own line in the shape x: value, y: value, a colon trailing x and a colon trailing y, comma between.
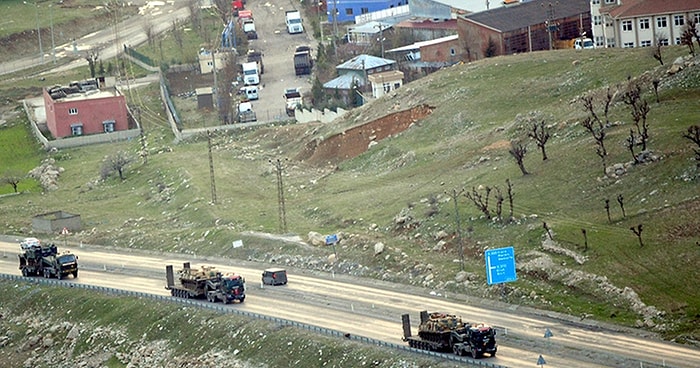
x: 55, y: 222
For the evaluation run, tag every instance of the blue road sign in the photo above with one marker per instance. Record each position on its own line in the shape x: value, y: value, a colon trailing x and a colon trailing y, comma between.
x: 331, y: 239
x: 541, y: 361
x: 500, y: 265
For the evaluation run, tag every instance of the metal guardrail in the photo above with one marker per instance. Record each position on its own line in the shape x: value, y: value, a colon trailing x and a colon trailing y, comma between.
x: 222, y: 309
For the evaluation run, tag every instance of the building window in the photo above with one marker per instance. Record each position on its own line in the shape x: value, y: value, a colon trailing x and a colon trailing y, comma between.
x: 597, y: 20
x: 348, y: 11
x: 599, y: 41
x: 73, y: 111
x: 696, y: 17
x: 387, y: 87
x: 364, y: 10
x: 661, y: 22
x: 595, y: 2
x: 663, y: 41
x: 397, y: 85
x: 610, y: 2
x: 644, y: 23
x: 678, y: 20
x: 645, y: 43
x: 626, y: 26
x: 677, y: 41
x: 611, y: 42
x: 452, y: 51
x: 108, y: 126
x: 76, y: 129
x: 628, y: 45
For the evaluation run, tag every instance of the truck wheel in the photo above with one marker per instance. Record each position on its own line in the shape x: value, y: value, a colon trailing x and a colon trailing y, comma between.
x: 494, y: 353
x: 242, y: 299
x: 25, y: 272
x: 59, y: 275
x: 457, y: 350
x: 75, y: 274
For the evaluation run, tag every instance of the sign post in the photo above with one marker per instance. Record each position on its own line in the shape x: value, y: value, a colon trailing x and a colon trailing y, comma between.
x: 331, y: 240
x: 500, y: 266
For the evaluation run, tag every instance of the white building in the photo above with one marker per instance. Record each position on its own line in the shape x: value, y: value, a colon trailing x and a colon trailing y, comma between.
x: 641, y: 23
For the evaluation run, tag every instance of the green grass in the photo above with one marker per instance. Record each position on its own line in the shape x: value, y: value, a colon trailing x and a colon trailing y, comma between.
x: 165, y: 204
x: 108, y: 330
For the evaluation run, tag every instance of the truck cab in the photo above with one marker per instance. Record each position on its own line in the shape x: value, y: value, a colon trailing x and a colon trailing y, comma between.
x: 293, y: 20
x: 274, y: 276
x: 250, y: 73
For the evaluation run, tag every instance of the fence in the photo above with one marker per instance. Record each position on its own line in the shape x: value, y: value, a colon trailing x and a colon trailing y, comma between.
x: 232, y: 310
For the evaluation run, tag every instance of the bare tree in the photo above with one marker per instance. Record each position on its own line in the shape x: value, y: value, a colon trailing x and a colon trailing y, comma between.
x: 150, y: 32
x: 693, y: 134
x: 539, y: 133
x: 596, y: 126
x: 499, y: 202
x: 178, y: 34
x: 12, y: 177
x: 631, y: 143
x: 223, y: 9
x: 656, y: 50
x: 511, y: 194
x: 640, y: 109
x: 225, y: 100
x: 195, y: 14
x: 638, y: 231
x: 687, y: 36
x: 655, y: 84
x: 621, y: 202
x: 518, y: 151
x: 91, y: 57
x: 481, y: 201
x: 115, y: 163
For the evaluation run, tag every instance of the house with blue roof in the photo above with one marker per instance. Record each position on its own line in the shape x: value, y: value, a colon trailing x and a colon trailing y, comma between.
x: 357, y: 72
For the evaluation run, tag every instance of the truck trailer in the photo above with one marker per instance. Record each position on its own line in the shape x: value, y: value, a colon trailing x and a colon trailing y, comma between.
x: 447, y: 333
x: 44, y: 260
x: 303, y: 62
x: 206, y: 282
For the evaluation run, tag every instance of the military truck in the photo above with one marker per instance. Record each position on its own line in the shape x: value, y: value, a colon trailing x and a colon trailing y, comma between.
x: 446, y: 332
x: 44, y: 260
x: 206, y: 282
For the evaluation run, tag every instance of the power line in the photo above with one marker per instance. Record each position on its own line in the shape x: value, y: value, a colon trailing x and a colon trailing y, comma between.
x: 280, y: 196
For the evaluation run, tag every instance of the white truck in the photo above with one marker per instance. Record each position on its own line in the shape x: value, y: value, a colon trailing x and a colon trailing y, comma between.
x: 293, y: 99
x: 246, y: 113
x: 250, y: 74
x: 584, y: 43
x: 293, y: 20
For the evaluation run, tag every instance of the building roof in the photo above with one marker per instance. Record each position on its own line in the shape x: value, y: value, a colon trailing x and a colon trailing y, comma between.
x: 364, y: 62
x: 525, y: 14
x: 344, y: 81
x: 373, y: 27
x: 429, y: 24
x: 418, y: 45
x: 389, y: 76
x: 638, y: 8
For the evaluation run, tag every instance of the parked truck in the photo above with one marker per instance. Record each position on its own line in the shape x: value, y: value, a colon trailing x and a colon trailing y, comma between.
x: 206, y: 282
x: 303, y: 62
x: 245, y: 113
x: 247, y: 24
x: 237, y: 6
x: 44, y: 260
x: 293, y: 100
x: 250, y: 73
x: 256, y: 56
x: 293, y: 20
x: 446, y: 332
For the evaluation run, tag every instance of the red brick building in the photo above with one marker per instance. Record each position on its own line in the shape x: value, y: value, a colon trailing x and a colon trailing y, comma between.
x: 84, y: 109
x: 524, y: 27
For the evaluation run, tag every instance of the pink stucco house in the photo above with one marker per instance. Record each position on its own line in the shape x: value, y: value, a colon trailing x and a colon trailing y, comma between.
x: 84, y: 108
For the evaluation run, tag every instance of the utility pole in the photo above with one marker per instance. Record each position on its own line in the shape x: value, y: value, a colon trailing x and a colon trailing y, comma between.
x: 381, y: 36
x: 455, y: 194
x: 53, y: 43
x: 38, y: 30
x: 550, y: 24
x: 211, y: 170
x: 280, y: 196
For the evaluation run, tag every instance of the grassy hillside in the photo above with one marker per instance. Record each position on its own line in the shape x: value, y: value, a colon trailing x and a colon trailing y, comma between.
x: 166, y: 203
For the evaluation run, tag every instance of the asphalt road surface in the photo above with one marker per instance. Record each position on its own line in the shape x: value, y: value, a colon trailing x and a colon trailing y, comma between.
x: 373, y: 309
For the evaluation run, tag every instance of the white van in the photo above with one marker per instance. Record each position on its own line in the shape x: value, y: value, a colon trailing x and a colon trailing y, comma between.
x: 250, y: 73
x: 249, y: 92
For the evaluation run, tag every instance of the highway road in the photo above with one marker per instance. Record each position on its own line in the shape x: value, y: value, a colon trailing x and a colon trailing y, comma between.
x: 373, y: 309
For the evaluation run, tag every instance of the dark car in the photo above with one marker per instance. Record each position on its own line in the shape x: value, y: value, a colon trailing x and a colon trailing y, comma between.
x: 274, y: 276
